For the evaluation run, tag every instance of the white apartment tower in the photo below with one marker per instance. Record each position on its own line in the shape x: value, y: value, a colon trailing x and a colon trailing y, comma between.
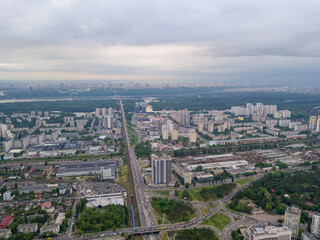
x: 161, y: 169
x: 315, y: 225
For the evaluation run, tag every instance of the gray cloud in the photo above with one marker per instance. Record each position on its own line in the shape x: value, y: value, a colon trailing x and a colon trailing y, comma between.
x: 181, y: 37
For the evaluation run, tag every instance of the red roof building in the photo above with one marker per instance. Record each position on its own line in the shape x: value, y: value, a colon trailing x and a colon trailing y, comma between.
x: 7, y: 221
x: 46, y: 205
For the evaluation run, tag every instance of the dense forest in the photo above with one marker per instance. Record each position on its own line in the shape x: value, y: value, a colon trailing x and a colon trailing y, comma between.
x: 197, y: 234
x: 275, y: 191
x: 301, y: 104
x: 63, y: 106
x: 175, y: 211
x: 216, y: 192
x: 143, y: 149
x: 96, y: 219
x: 103, y: 92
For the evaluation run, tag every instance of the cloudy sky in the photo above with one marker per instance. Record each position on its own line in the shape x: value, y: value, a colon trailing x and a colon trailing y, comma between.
x: 254, y: 40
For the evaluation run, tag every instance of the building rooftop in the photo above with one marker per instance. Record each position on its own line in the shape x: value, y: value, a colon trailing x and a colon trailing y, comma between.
x: 91, y: 166
x: 6, y: 222
x: 162, y: 157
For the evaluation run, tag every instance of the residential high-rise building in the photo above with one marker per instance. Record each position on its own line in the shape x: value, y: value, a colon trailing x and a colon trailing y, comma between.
x: 165, y: 133
x: 3, y: 129
x: 140, y: 107
x: 200, y: 127
x: 292, y: 220
x: 210, y: 127
x: 315, y: 225
x: 109, y: 122
x: 250, y: 108
x: 268, y: 233
x: 103, y: 112
x: 182, y: 117
x: 312, y: 122
x: 175, y: 135
x: 161, y: 169
x: 318, y: 124
x: 98, y: 112
x: 110, y: 111
x: 192, y: 136
x: 170, y: 126
x: 186, y: 119
x: 226, y: 125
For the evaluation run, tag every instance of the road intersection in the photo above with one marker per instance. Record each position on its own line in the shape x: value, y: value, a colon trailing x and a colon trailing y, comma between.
x: 150, y: 228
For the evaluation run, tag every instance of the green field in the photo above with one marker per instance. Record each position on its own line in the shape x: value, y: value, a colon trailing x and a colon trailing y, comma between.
x: 163, y: 192
x: 244, y: 181
x: 204, y: 211
x: 212, y: 206
x: 133, y: 137
x: 207, y: 194
x: 172, y: 210
x: 218, y: 220
x: 197, y: 234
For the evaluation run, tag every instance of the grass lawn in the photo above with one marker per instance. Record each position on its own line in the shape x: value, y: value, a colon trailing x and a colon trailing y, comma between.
x: 212, y: 206
x: 122, y: 177
x: 123, y: 174
x: 172, y: 211
x: 204, y: 211
x: 163, y: 235
x: 163, y: 192
x: 244, y: 181
x: 132, y: 135
x: 218, y: 220
x: 195, y: 194
x: 197, y: 234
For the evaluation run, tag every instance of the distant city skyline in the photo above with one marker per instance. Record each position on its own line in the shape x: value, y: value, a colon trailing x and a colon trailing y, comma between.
x: 247, y: 41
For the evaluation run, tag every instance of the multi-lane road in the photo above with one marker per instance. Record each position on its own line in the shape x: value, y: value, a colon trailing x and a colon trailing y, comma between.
x: 149, y: 227
x: 145, y: 211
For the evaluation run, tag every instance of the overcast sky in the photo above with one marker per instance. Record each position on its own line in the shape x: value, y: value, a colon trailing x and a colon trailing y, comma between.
x: 160, y: 40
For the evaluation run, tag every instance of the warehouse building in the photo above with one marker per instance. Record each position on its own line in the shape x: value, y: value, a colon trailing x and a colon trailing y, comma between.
x: 106, y: 169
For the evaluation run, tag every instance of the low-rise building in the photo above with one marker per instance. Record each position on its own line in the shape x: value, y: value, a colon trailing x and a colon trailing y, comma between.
x: 105, y: 199
x: 54, y: 228
x: 37, y: 188
x: 203, y: 178
x: 307, y: 236
x: 182, y: 172
x: 47, y: 206
x: 65, y: 190
x: 268, y: 232
x: 5, y: 233
x: 106, y: 169
x: 7, y: 196
x: 6, y: 222
x: 27, y: 228
x: 60, y: 218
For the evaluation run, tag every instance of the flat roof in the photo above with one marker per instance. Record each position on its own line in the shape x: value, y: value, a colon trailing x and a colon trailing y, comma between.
x: 85, y: 166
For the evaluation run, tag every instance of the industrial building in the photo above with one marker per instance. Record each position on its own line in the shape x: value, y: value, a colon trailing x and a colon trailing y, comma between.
x: 105, y: 199
x: 218, y: 165
x: 106, y: 169
x: 58, y: 148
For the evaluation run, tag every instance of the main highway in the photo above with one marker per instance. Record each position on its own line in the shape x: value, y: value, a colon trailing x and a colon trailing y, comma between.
x: 149, y: 227
x: 144, y: 206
